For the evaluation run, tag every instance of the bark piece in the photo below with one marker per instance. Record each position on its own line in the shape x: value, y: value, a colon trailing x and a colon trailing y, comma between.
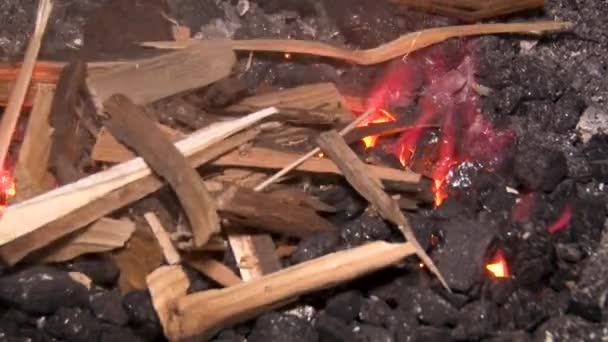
x: 131, y: 126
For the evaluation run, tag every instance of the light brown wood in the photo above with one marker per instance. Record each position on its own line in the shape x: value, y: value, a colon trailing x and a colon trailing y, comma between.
x: 136, y: 260
x: 214, y: 269
x: 312, y: 104
x: 131, y: 126
x: 254, y: 253
x: 102, y: 236
x: 172, y: 257
x: 14, y: 251
x: 31, y: 168
x: 200, y: 315
x: 166, y: 285
x: 334, y: 146
x: 156, y: 78
x: 35, y: 213
x: 20, y: 89
x: 269, y: 213
x: 396, y: 48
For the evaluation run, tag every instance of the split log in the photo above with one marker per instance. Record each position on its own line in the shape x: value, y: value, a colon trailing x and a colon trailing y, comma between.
x: 214, y: 270
x: 23, y: 79
x: 105, y: 192
x: 354, y: 170
x: 130, y: 125
x: 65, y: 146
x: 311, y: 104
x: 202, y: 314
x: 31, y: 168
x: 397, y: 48
x: 254, y: 253
x: 166, y: 285
x: 269, y: 213
x: 146, y: 81
x: 102, y: 236
x: 172, y: 257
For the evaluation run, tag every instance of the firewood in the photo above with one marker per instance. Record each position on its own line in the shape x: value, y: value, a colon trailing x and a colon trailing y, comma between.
x: 19, y: 91
x: 201, y: 315
x: 172, y: 257
x: 269, y: 213
x: 380, y: 129
x: 397, y: 48
x: 254, y: 253
x: 65, y: 146
x: 214, y: 270
x: 353, y: 168
x: 156, y: 78
x: 140, y: 257
x: 102, y: 236
x: 30, y: 171
x: 470, y: 11
x: 166, y: 285
x: 130, y: 125
x: 314, y: 104
x: 105, y: 192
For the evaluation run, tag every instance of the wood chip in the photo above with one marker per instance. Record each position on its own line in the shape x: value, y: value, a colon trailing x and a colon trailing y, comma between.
x: 164, y: 240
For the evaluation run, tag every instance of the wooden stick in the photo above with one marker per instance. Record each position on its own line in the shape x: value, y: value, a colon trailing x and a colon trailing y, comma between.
x: 171, y: 255
x: 310, y: 154
x: 15, y: 102
x: 254, y: 253
x: 130, y: 125
x: 101, y: 203
x: 31, y: 168
x: 214, y: 269
x: 156, y: 78
x: 401, y: 46
x: 354, y: 170
x: 202, y: 314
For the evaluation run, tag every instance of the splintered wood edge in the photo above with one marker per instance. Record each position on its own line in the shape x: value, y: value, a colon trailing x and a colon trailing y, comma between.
x: 164, y: 240
x: 166, y: 285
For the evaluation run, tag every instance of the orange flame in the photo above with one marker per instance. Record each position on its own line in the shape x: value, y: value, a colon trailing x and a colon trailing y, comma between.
x: 440, y: 193
x: 382, y: 116
x: 7, y: 188
x: 498, y: 267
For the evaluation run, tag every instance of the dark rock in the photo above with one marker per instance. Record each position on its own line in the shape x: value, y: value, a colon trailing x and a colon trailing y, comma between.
x: 537, y: 168
x: 507, y: 99
x: 364, y: 229
x: 73, y: 324
x: 332, y: 329
x: 229, y: 335
x: 570, y: 328
x: 596, y: 151
x: 531, y: 260
x: 276, y: 327
x: 434, y: 309
x: 510, y: 336
x: 461, y: 257
x: 568, y: 111
x: 316, y: 245
x: 375, y: 311
x: 41, y: 290
x: 431, y: 334
x: 107, y: 306
x: 139, y: 308
x: 346, y: 202
x: 116, y: 334
x: 498, y: 290
x: 537, y: 81
x: 370, y: 333
x: 587, y: 222
x: 569, y: 252
x: 589, y: 297
x: 11, y: 320
x: 525, y: 310
x: 345, y: 306
x: 99, y: 267
x: 477, y: 320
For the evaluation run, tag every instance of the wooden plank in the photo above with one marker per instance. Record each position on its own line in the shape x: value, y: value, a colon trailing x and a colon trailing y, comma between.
x: 130, y: 125
x: 153, y: 79
x: 354, y: 171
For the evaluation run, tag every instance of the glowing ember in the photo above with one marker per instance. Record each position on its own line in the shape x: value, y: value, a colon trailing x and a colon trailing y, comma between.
x: 498, y: 266
x: 440, y: 193
x: 7, y: 188
x: 562, y: 222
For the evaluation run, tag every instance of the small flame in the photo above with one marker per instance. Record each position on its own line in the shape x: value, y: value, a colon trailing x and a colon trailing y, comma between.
x: 7, y: 188
x: 287, y: 55
x: 440, y: 193
x: 498, y: 266
x: 382, y: 116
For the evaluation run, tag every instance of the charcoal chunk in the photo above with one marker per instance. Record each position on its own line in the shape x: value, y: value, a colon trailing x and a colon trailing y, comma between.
x: 370, y: 333
x: 461, y: 257
x: 525, y: 310
x: 99, y: 267
x: 477, y: 320
x: 139, y: 308
x: 596, y: 150
x: 315, y: 245
x: 539, y: 169
x: 41, y: 290
x: 277, y: 327
x: 116, y: 334
x: 73, y: 324
x: 365, y: 228
x: 570, y: 328
x: 510, y: 336
x: 568, y: 111
x: 332, y: 329
x: 107, y: 306
x: 537, y: 81
x: 435, y: 310
x: 345, y: 306
x: 198, y: 281
x: 507, y: 99
x: 229, y: 335
x: 431, y: 334
x: 376, y: 312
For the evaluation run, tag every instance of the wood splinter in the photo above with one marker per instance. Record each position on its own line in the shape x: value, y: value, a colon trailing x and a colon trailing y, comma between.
x: 129, y: 124
x: 369, y: 187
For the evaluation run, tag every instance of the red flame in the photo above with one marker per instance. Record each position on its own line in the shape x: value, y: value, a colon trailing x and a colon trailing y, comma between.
x: 381, y: 115
x: 498, y: 266
x: 562, y: 222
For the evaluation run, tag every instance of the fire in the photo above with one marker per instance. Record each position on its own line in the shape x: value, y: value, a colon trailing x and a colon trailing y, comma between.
x: 440, y: 193
x: 382, y: 116
x: 498, y: 266
x: 7, y: 188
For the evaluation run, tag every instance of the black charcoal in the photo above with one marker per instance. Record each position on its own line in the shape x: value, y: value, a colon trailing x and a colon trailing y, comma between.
x: 107, y: 306
x: 276, y: 327
x: 345, y: 306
